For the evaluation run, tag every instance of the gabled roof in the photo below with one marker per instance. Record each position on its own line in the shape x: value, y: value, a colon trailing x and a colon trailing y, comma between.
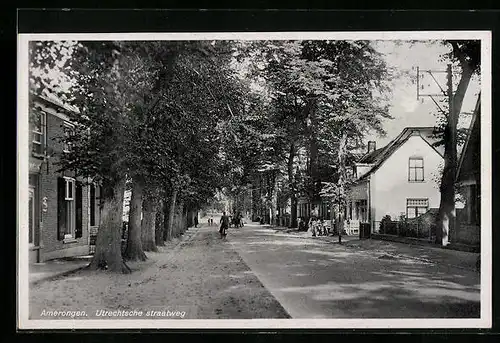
x: 379, y: 156
x: 471, y: 145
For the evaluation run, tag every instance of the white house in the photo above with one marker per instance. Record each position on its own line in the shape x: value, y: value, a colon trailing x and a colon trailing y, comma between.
x: 398, y: 179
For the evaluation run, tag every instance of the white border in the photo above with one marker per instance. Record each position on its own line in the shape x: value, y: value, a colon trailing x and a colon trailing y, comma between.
x: 485, y: 321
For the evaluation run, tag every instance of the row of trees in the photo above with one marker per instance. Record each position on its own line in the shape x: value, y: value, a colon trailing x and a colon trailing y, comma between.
x: 163, y: 119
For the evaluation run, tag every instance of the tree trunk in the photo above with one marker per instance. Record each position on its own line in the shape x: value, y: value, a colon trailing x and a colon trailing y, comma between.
x: 293, y: 209
x: 184, y: 220
x: 447, y: 204
x: 108, y: 254
x: 166, y: 218
x: 159, y: 240
x: 190, y: 218
x: 292, y: 186
x: 148, y: 224
x: 274, y: 200
x: 341, y: 183
x: 178, y: 221
x: 134, y: 251
x: 169, y: 215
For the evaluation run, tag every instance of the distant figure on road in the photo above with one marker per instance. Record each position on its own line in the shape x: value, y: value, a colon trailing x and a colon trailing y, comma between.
x: 196, y: 220
x: 224, y: 225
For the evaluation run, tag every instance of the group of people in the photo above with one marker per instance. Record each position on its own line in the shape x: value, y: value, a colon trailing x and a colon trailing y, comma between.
x: 227, y: 220
x: 315, y: 227
x: 210, y: 221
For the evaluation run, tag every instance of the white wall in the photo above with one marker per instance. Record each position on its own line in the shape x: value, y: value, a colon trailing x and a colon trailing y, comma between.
x: 390, y: 185
x: 362, y: 169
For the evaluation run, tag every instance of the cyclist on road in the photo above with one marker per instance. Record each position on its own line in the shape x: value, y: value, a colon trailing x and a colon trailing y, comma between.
x: 224, y: 225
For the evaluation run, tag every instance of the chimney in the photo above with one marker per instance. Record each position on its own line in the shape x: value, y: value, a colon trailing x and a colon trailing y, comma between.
x: 371, y: 146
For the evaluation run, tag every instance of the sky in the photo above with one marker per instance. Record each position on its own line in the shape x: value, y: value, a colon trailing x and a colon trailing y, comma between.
x: 404, y: 106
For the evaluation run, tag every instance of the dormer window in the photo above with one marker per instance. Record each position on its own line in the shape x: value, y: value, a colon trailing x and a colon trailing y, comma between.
x: 416, y: 169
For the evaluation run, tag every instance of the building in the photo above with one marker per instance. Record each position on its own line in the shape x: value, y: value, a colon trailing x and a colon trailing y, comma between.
x: 399, y: 180
x: 468, y: 223
x: 62, y: 208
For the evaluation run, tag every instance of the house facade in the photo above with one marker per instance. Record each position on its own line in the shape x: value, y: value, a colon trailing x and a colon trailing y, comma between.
x: 62, y: 207
x: 468, y: 224
x: 399, y: 180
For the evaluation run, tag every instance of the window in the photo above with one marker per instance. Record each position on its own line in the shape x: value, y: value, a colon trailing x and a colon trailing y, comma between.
x: 38, y: 132
x: 416, y: 169
x: 69, y: 208
x: 68, y: 132
x: 416, y: 207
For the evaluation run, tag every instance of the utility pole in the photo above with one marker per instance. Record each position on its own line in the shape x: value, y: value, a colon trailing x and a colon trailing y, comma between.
x: 450, y: 139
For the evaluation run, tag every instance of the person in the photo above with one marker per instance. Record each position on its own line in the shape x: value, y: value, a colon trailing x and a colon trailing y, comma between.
x: 240, y: 219
x: 196, y: 220
x: 313, y: 224
x: 224, y: 221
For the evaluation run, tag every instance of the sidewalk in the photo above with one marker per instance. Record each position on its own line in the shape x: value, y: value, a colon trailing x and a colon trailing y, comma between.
x: 57, y: 267
x: 62, y: 266
x: 427, y: 254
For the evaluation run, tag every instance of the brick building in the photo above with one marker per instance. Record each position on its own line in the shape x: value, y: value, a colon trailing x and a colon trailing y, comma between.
x: 62, y: 208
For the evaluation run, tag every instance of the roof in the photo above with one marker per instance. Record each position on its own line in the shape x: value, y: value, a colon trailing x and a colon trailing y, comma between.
x: 468, y: 164
x: 379, y: 156
x: 371, y: 157
x: 55, y: 100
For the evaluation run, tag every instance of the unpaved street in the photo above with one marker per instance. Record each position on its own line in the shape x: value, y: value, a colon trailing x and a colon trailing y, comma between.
x: 203, y: 277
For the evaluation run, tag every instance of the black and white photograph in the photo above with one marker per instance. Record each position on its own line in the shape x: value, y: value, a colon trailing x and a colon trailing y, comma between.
x: 254, y: 180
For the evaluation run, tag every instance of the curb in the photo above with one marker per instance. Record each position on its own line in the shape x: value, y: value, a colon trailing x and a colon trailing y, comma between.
x: 57, y: 275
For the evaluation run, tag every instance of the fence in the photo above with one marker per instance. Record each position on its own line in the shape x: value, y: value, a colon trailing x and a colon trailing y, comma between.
x: 412, y: 229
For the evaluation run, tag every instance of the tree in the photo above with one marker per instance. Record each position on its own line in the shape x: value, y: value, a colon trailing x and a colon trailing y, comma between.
x: 325, y: 96
x: 468, y: 56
